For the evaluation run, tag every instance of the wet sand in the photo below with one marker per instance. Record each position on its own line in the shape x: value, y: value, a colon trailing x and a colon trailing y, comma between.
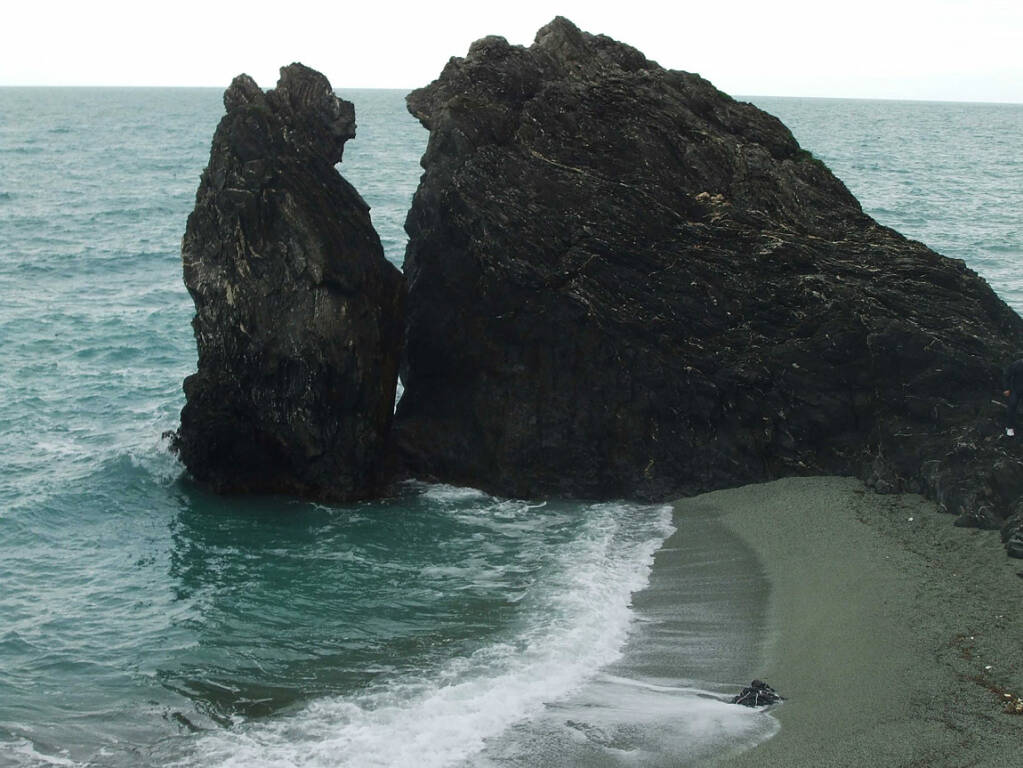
x: 892, y: 634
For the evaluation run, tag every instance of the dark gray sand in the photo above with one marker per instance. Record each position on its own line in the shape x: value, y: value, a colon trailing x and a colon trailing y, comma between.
x: 893, y: 635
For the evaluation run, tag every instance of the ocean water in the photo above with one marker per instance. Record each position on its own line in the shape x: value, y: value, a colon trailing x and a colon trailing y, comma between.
x: 947, y: 174
x: 145, y: 622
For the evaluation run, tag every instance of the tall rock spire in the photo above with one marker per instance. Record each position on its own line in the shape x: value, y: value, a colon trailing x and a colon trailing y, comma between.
x: 298, y: 314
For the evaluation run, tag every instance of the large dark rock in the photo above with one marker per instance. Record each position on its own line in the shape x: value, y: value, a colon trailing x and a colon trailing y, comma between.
x: 622, y: 282
x: 298, y: 314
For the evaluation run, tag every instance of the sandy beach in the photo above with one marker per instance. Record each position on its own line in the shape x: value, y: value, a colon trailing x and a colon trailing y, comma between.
x: 893, y: 635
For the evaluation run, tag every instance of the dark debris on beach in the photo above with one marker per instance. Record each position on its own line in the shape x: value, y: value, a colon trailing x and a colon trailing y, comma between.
x: 757, y: 694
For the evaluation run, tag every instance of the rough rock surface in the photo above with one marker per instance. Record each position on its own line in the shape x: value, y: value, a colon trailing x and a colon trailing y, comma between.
x: 757, y: 694
x: 622, y: 282
x: 298, y: 314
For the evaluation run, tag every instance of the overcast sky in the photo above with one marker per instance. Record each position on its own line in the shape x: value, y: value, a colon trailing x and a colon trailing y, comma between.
x: 962, y: 50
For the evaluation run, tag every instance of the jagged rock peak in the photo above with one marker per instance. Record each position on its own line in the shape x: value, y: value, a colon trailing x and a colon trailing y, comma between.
x: 243, y: 90
x: 511, y: 74
x: 318, y: 121
x: 566, y: 44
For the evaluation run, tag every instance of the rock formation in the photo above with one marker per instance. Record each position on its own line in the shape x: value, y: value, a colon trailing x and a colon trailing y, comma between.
x: 622, y: 282
x: 298, y: 315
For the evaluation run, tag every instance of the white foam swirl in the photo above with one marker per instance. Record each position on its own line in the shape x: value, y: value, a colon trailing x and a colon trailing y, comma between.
x: 576, y: 620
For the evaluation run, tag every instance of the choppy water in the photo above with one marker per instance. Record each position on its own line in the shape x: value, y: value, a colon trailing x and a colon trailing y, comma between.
x: 145, y: 622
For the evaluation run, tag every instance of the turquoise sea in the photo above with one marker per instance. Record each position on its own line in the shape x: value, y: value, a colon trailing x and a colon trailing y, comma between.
x: 145, y: 622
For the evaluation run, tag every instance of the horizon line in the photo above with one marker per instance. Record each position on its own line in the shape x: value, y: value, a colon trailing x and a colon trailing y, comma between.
x: 737, y: 96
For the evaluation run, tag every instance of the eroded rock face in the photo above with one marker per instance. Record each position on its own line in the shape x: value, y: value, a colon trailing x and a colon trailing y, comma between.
x: 625, y: 283
x: 298, y: 314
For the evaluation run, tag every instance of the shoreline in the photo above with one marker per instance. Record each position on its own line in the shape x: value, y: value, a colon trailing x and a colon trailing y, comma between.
x: 892, y: 634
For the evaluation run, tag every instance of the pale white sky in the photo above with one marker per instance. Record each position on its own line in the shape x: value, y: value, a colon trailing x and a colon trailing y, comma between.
x: 963, y: 50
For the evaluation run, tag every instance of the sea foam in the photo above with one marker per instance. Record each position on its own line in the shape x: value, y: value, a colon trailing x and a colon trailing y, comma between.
x: 575, y: 621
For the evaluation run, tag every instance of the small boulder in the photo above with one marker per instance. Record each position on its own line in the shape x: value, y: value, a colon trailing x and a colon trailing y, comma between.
x: 1014, y: 546
x: 757, y: 694
x: 980, y: 516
